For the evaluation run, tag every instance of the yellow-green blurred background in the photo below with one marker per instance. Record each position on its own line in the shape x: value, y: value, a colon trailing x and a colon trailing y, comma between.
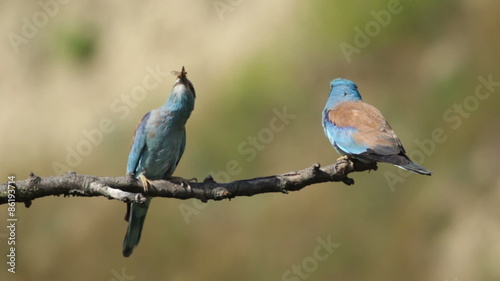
x: 66, y: 66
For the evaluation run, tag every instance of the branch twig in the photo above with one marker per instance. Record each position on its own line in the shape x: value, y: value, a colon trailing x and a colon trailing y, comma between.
x: 128, y: 189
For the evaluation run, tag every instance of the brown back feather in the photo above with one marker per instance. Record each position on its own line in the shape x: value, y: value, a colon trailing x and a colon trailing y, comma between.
x: 373, y: 129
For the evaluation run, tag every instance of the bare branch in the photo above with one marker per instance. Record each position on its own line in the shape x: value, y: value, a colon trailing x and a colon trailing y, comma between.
x: 128, y: 189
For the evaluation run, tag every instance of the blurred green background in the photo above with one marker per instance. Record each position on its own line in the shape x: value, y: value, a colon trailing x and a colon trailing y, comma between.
x: 66, y: 66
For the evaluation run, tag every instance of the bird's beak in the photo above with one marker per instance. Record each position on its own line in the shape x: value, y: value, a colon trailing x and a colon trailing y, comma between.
x: 182, y: 79
x: 182, y: 76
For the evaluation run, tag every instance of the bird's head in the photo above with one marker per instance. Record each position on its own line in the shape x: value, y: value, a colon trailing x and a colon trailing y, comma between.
x: 183, y: 84
x: 343, y: 90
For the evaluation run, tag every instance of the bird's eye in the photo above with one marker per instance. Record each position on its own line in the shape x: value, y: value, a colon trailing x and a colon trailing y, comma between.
x: 345, y: 94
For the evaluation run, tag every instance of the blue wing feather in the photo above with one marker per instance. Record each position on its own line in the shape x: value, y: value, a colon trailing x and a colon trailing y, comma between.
x: 138, y: 146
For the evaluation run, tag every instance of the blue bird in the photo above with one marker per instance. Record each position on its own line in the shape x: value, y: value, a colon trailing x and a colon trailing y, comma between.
x: 158, y: 145
x: 358, y: 130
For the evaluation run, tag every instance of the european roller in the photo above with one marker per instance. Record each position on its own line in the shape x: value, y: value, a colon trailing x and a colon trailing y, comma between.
x: 358, y: 130
x: 158, y: 145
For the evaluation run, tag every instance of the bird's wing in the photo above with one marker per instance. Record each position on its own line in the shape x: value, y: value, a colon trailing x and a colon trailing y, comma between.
x: 176, y: 155
x: 138, y: 145
x: 361, y: 128
x: 181, y: 149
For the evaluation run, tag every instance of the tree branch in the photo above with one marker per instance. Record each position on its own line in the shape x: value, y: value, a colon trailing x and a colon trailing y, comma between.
x: 129, y: 189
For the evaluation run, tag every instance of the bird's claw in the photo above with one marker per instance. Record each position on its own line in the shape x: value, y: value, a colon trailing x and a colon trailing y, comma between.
x: 184, y: 182
x: 343, y: 158
x: 145, y: 183
x: 193, y: 179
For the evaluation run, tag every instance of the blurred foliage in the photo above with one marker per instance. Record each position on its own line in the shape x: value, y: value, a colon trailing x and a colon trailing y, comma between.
x: 74, y: 42
x: 246, y: 61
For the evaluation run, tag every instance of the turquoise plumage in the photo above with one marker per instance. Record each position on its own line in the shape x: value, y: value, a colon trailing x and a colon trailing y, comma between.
x: 358, y: 130
x: 159, y: 142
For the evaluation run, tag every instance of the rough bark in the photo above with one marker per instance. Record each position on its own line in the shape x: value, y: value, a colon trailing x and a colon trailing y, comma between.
x: 129, y: 189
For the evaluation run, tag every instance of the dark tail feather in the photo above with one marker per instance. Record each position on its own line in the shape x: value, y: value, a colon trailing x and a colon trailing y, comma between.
x: 136, y: 218
x: 412, y: 167
x: 401, y: 160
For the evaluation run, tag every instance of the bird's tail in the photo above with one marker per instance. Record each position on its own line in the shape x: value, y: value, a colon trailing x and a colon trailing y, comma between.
x: 136, y: 218
x: 412, y: 167
x: 400, y: 160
